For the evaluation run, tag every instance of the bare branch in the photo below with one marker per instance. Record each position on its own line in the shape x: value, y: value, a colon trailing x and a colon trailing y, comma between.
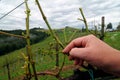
x: 9, y: 34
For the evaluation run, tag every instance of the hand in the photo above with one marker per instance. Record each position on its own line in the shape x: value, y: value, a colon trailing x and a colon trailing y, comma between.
x: 95, y: 52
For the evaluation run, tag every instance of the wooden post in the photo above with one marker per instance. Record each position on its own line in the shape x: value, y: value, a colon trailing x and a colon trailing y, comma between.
x: 8, y: 69
x: 102, y: 28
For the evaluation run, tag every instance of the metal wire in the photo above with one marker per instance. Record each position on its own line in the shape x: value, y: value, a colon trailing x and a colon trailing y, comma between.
x: 11, y: 10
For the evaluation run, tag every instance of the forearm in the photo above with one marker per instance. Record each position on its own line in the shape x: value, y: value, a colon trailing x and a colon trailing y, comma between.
x: 113, y: 63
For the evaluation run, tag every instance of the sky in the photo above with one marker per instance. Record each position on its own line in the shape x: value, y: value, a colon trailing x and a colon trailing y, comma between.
x: 60, y: 13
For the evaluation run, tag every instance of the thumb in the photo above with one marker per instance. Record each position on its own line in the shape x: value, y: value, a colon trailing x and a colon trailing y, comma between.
x: 80, y: 53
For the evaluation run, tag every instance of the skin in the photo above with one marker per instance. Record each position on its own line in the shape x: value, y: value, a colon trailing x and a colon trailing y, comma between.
x: 95, y: 52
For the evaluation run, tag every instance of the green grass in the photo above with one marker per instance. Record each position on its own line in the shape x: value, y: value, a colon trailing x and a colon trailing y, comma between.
x: 45, y: 64
x: 112, y: 38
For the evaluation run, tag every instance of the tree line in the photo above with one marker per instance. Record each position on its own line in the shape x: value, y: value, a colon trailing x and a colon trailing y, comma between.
x: 9, y: 43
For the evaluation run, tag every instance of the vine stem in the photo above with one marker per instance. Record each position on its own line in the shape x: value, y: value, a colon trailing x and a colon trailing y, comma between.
x: 65, y: 36
x: 14, y: 35
x: 84, y: 19
x: 47, y: 23
x: 52, y: 33
x: 30, y: 56
x: 72, y: 36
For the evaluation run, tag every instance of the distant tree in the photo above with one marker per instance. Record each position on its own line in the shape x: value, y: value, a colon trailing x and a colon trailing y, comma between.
x: 83, y: 29
x: 109, y: 26
x: 8, y: 43
x: 118, y: 27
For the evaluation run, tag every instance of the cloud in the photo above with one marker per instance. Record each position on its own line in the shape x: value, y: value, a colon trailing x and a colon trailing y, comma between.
x: 59, y: 13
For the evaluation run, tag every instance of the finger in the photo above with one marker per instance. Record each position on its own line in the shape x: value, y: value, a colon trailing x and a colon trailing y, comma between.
x: 76, y: 61
x: 75, y: 43
x: 81, y: 62
x: 71, y: 58
x: 80, y: 53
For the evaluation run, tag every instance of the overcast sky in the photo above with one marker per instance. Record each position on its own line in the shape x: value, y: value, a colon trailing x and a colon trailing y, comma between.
x: 60, y: 13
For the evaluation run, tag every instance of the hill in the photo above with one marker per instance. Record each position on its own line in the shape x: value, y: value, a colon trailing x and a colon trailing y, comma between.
x: 15, y: 58
x: 47, y: 61
x: 9, y: 43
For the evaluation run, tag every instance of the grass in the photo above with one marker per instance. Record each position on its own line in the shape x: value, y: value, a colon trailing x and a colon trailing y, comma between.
x: 47, y: 62
x: 113, y: 39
